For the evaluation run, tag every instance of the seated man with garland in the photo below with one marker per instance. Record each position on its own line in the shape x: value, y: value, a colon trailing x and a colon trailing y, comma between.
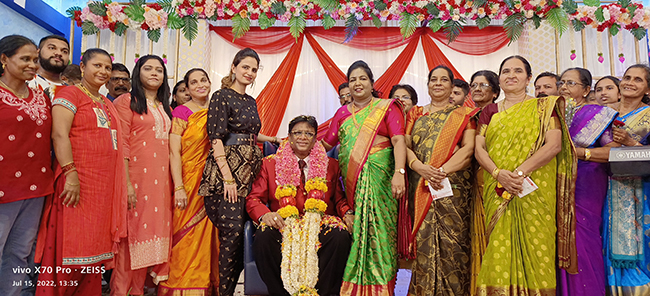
x: 301, y: 243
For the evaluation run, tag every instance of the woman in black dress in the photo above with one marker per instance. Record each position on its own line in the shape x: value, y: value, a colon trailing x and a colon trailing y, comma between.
x: 233, y: 163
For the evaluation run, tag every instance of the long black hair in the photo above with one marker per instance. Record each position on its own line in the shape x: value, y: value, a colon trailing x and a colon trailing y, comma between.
x: 9, y: 45
x: 138, y: 99
x: 364, y: 66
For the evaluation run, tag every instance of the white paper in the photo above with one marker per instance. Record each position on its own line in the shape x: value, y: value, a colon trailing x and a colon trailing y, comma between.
x: 528, y: 187
x: 446, y: 190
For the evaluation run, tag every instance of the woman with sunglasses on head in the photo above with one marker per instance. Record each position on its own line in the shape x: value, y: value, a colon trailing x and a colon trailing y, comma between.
x: 146, y: 121
x: 233, y: 163
x: 591, y: 132
x: 440, y: 137
x: 523, y: 138
x: 626, y: 232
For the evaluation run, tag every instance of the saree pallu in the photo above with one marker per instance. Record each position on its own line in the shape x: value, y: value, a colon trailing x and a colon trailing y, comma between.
x: 193, y: 267
x: 372, y: 264
x: 521, y: 252
x: 588, y: 130
x: 626, y: 222
x: 441, y: 232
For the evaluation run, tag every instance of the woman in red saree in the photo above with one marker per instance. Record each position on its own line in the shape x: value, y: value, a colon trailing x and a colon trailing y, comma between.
x: 193, y: 263
x: 86, y: 218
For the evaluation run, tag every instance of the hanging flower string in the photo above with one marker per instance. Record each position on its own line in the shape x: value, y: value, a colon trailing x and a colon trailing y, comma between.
x: 300, y: 244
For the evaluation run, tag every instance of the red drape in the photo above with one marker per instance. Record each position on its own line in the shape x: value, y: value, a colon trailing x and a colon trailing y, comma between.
x: 273, y: 100
x: 334, y: 74
x: 475, y: 41
x: 396, y: 71
x: 270, y: 41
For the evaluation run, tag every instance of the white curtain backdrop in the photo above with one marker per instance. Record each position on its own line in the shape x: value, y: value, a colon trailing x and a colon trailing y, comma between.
x: 312, y: 92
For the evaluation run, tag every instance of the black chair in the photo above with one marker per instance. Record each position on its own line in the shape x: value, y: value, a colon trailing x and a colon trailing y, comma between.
x: 253, y: 284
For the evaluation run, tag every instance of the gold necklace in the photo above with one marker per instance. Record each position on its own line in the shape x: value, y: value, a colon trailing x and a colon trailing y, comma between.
x: 354, y: 113
x: 201, y: 107
x: 87, y: 92
x: 13, y: 92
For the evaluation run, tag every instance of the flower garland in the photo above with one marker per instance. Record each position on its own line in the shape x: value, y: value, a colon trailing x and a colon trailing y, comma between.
x: 451, y: 15
x: 300, y: 244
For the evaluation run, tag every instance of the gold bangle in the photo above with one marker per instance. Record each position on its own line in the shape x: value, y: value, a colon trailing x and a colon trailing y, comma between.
x: 179, y: 187
x: 495, y: 172
x: 74, y: 185
x: 229, y: 181
x: 587, y: 154
x: 411, y: 163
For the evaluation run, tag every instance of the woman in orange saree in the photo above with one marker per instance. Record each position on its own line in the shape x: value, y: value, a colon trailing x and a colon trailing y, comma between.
x: 193, y: 267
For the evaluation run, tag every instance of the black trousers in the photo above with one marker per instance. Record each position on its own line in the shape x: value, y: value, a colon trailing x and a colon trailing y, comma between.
x: 229, y: 220
x: 332, y: 257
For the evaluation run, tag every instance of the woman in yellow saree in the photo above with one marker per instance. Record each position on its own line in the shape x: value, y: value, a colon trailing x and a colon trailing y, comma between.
x: 372, y: 159
x: 442, y: 137
x: 519, y: 137
x: 193, y: 261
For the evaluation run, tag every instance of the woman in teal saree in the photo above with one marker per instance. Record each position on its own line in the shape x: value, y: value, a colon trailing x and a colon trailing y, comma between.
x: 372, y: 159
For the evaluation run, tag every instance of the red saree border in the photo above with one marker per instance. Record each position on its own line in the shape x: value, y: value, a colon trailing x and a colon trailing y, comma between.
x: 198, y: 217
x: 348, y: 288
x: 455, y: 123
x: 363, y: 145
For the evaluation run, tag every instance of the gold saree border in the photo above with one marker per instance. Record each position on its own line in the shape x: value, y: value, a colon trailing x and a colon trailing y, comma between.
x: 514, y: 290
x: 348, y: 289
x: 363, y: 145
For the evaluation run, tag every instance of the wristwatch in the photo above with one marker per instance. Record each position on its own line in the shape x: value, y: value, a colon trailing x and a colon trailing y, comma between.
x: 401, y: 171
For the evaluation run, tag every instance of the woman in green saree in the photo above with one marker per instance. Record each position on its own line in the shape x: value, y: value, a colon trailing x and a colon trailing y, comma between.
x: 372, y: 158
x: 518, y: 137
x: 441, y: 138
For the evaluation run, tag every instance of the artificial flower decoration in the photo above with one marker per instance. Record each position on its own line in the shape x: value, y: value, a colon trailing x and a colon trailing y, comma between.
x: 573, y: 54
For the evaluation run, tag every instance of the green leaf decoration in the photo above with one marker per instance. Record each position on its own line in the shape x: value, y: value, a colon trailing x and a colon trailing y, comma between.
x: 135, y: 12
x: 407, y: 24
x: 138, y: 2
x: 380, y: 5
x: 479, y: 3
x: 624, y: 3
x: 510, y: 3
x: 120, y: 28
x: 97, y: 7
x: 108, y: 2
x: 577, y: 25
x: 278, y: 8
x: 167, y: 5
x: 558, y: 19
x: 432, y: 9
x: 70, y: 11
x: 297, y: 25
x: 591, y: 2
x: 614, y: 29
x: 514, y: 26
x: 483, y: 22
x: 154, y: 35
x: 352, y: 25
x: 240, y: 25
x: 638, y: 33
x: 599, y: 14
x: 537, y: 21
x: 435, y: 24
x: 174, y: 21
x: 327, y: 5
x: 265, y: 22
x: 453, y: 29
x: 191, y: 28
x: 631, y: 9
x: 328, y: 22
x: 570, y: 6
x: 88, y: 28
x: 376, y: 21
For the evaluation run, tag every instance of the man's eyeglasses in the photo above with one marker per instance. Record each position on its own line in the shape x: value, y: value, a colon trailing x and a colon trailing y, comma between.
x: 345, y: 96
x: 569, y: 83
x: 481, y: 85
x: 120, y: 79
x: 307, y: 135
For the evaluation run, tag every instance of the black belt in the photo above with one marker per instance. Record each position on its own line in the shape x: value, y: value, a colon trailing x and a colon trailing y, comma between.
x: 241, y: 139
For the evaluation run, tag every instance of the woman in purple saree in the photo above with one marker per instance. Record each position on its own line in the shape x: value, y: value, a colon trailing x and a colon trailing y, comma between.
x: 591, y: 132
